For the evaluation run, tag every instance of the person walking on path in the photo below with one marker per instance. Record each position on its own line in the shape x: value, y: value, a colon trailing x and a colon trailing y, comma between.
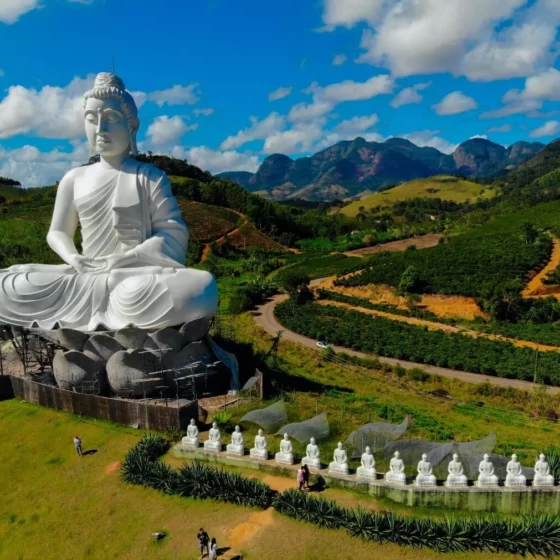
x: 78, y: 445
x: 203, y: 539
x: 301, y: 478
x: 306, y: 476
x: 213, y: 554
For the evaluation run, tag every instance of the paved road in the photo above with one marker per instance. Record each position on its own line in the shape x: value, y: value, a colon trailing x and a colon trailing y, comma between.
x: 264, y: 316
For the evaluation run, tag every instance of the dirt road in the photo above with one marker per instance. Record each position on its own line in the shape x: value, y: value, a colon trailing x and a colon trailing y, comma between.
x: 264, y: 316
x: 420, y: 241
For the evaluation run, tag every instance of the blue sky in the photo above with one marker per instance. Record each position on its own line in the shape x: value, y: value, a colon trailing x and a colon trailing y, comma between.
x: 224, y: 83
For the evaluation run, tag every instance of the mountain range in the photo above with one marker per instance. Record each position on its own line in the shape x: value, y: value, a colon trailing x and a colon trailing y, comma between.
x: 350, y: 169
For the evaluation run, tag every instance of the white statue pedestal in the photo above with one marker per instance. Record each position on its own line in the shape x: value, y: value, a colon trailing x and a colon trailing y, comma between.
x: 487, y: 481
x: 261, y: 454
x: 190, y: 441
x: 284, y: 458
x: 423, y: 481
x: 366, y: 474
x: 395, y: 478
x: 515, y: 481
x: 210, y: 445
x: 454, y: 481
x: 233, y: 449
x: 546, y: 481
x: 311, y: 463
x: 338, y: 468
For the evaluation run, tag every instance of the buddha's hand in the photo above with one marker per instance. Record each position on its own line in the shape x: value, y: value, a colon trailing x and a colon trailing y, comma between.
x: 112, y: 262
x: 83, y: 264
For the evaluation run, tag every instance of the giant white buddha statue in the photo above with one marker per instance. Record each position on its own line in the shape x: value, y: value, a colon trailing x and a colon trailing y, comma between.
x: 131, y: 270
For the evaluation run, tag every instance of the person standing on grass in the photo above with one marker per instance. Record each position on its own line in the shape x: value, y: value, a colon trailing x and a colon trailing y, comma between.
x: 306, y: 476
x: 203, y: 539
x: 301, y: 478
x: 78, y: 445
x: 213, y: 554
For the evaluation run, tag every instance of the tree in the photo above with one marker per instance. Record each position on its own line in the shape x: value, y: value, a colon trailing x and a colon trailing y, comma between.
x: 530, y: 233
x: 296, y: 283
x: 410, y: 281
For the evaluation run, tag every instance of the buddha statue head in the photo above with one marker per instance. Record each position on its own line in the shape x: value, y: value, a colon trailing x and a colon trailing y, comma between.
x: 397, y: 455
x: 542, y: 458
x: 111, y: 117
x: 214, y: 426
x: 368, y: 450
x: 455, y: 457
x: 486, y: 457
x: 339, y: 446
x: 514, y: 458
x: 237, y: 429
x: 192, y: 422
x: 260, y: 432
x: 286, y: 437
x: 312, y: 441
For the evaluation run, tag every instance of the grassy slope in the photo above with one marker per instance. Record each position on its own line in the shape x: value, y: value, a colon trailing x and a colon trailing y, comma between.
x: 445, y: 187
x: 56, y: 506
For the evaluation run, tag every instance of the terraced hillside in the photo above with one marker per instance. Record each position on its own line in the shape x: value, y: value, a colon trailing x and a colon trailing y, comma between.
x: 445, y: 187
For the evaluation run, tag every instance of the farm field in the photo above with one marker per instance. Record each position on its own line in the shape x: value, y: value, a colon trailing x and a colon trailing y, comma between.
x: 63, y: 507
x: 445, y: 187
x: 207, y: 222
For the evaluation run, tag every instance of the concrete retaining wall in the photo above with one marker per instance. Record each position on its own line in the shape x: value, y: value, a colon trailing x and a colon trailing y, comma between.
x: 499, y: 500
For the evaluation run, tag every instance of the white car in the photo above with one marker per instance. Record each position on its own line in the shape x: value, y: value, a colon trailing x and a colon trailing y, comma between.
x: 323, y: 345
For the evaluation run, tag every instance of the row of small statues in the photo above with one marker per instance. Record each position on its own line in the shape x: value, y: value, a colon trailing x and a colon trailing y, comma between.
x: 366, y: 471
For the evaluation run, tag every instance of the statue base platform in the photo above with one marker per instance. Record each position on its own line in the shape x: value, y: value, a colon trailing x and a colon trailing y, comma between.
x: 261, y: 454
x: 235, y: 449
x: 425, y: 481
x: 515, y: 482
x: 456, y: 482
x: 215, y: 446
x: 190, y: 442
x: 487, y: 482
x: 393, y: 478
x: 366, y: 474
x: 284, y: 458
x: 545, y: 482
x: 337, y: 468
x: 311, y: 463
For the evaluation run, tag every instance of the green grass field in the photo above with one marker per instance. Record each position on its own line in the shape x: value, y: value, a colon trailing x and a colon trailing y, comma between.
x: 57, y: 506
x: 445, y: 187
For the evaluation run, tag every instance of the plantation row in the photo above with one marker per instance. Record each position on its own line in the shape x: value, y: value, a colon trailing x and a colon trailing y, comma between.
x: 384, y: 337
x: 475, y: 262
x: 536, y: 535
x: 321, y: 267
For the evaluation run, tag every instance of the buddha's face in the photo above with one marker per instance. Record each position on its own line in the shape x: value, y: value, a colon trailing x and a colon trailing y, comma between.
x: 260, y: 432
x: 368, y: 450
x: 397, y: 454
x: 541, y: 457
x: 106, y: 127
x: 424, y: 456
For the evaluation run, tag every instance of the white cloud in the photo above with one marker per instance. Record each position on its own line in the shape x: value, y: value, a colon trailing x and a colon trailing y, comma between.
x: 309, y: 111
x: 515, y: 108
x: 176, y: 95
x: 454, y: 103
x: 483, y: 136
x: 217, y: 161
x: 350, y: 12
x: 549, y: 128
x: 502, y: 128
x: 355, y: 91
x: 204, y: 112
x: 82, y: 1
x: 12, y: 10
x: 430, y: 139
x: 355, y: 125
x: 310, y: 88
x: 52, y: 112
x: 258, y: 130
x: 298, y: 139
x: 339, y: 60
x: 1, y: 72
x: 409, y: 95
x: 349, y: 129
x: 279, y: 93
x: 34, y: 168
x: 165, y: 130
x: 481, y: 39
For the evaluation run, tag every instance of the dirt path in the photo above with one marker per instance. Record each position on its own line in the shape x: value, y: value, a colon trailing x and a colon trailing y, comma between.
x: 264, y: 316
x: 449, y: 329
x: 206, y: 250
x: 420, y: 241
x: 536, y: 288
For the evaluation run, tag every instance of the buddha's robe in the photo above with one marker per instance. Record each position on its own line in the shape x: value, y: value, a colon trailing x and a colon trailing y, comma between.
x: 134, y: 209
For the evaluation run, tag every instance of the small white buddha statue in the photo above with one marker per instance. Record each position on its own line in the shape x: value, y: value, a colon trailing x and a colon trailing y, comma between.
x: 260, y: 451
x: 514, y: 476
x: 214, y: 441
x: 339, y: 465
x: 542, y: 473
x: 456, y: 475
x: 312, y: 459
x: 366, y: 469
x: 396, y: 473
x: 236, y: 447
x: 131, y: 270
x: 286, y: 453
x: 191, y: 439
x: 425, y: 475
x: 486, y: 477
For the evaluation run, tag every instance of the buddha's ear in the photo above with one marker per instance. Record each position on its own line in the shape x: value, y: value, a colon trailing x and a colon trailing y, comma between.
x: 133, y: 127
